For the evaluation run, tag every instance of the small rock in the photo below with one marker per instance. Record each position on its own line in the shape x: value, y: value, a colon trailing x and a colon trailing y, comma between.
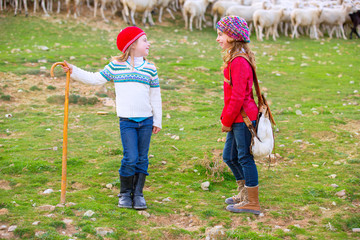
x: 163, y: 162
x: 334, y: 185
x: 12, y: 228
x: 44, y: 48
x: 217, y: 232
x: 69, y: 204
x: 332, y: 176
x: 51, y: 215
x: 89, y: 213
x: 4, y: 211
x: 203, y: 69
x: 144, y: 213
x: 68, y: 221
x: 188, y: 206
x: 298, y: 112
x: 205, y: 185
x: 39, y: 233
x: 168, y: 199
x: 315, y: 165
x: 28, y: 51
x: 341, y: 193
x: 42, y: 68
x: 109, y: 186
x: 8, y: 115
x: 168, y: 115
x: 297, y: 225
x: 48, y: 191
x: 337, y: 163
x: 3, y: 227
x: 298, y: 105
x: 36, y: 223
x: 72, y: 57
x: 15, y: 50
x: 60, y: 205
x: 42, y: 61
x: 356, y: 229
x: 151, y: 156
x: 333, y: 203
x: 47, y: 208
x: 102, y: 231
x: 261, y: 215
x: 93, y: 219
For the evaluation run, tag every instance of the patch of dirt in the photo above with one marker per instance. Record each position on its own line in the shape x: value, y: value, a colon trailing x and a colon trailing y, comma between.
x: 353, y: 126
x: 18, y: 87
x: 325, y: 135
x: 189, y: 223
x: 5, y: 185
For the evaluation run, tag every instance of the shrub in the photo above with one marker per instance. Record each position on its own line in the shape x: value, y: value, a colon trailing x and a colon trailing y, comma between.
x: 35, y: 88
x: 50, y: 87
x: 5, y: 97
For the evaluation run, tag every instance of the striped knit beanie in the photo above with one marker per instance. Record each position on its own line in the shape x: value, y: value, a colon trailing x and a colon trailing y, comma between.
x: 235, y: 27
x: 128, y: 36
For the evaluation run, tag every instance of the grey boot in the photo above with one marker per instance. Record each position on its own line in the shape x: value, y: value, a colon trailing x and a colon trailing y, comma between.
x: 126, y: 188
x: 139, y: 200
x: 241, y: 196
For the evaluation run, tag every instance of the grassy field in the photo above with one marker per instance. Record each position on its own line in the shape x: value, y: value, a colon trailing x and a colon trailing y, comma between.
x: 313, y: 89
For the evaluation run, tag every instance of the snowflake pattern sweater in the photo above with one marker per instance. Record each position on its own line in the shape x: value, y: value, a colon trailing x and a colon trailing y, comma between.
x: 137, y: 88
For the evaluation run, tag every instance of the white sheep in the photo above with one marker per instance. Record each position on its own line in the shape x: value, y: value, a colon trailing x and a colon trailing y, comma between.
x: 335, y: 17
x: 247, y: 12
x: 267, y: 19
x: 195, y: 9
x: 308, y: 17
x: 17, y: 7
x: 102, y: 7
x: 142, y: 6
x: 161, y: 4
x: 75, y: 6
x: 219, y: 9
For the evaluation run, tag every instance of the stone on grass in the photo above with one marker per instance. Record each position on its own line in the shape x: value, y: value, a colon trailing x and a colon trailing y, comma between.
x: 4, y: 211
x: 3, y: 227
x: 69, y: 204
x: 168, y: 199
x: 144, y: 213
x: 89, y: 213
x: 334, y: 185
x: 68, y: 221
x: 356, y: 229
x: 298, y: 112
x: 217, y: 232
x: 205, y: 186
x: 47, y: 208
x: 332, y: 176
x: 48, y: 191
x: 103, y: 231
x: 44, y: 48
x: 337, y: 163
x: 341, y: 193
x: 39, y: 233
x: 12, y: 228
x: 36, y: 223
x: 109, y: 186
x: 60, y: 205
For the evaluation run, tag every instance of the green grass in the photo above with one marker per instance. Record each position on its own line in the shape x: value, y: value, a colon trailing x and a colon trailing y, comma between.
x: 295, y: 190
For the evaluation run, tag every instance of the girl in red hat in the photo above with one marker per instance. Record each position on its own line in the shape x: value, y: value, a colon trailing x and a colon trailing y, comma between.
x: 138, y: 106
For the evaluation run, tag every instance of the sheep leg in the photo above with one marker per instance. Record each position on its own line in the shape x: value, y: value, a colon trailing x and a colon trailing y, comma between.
x: 185, y: 18
x: 35, y: 5
x: 342, y: 31
x: 191, y: 21
x: 151, y: 21
x: 95, y: 7
x: 16, y: 7
x: 44, y: 8
x: 161, y: 13
x: 200, y: 22
x: 144, y: 17
x: 215, y: 20
x: 315, y: 32
x: 58, y: 8
x: 294, y: 31
x: 88, y: 4
x: 170, y: 12
x: 26, y: 8
x: 103, y: 3
x: 260, y: 33
x: 132, y: 16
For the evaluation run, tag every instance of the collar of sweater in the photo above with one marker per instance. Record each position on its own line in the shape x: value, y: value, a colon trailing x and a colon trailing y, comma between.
x: 138, y: 61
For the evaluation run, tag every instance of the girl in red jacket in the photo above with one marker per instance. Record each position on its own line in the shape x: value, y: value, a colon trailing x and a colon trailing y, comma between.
x: 233, y: 37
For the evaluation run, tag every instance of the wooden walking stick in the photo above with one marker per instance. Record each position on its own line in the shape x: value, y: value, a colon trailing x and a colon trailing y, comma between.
x: 66, y: 118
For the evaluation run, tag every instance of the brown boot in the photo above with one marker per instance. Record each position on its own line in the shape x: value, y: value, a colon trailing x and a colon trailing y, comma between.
x: 241, y: 196
x: 251, y: 205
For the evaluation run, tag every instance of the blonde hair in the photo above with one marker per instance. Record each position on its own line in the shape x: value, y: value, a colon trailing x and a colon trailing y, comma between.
x: 124, y: 56
x: 236, y: 48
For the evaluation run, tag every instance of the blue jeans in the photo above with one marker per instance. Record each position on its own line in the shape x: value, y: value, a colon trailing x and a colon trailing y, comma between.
x: 135, y: 138
x: 237, y: 155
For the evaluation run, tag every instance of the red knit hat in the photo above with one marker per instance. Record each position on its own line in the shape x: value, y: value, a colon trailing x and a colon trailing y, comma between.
x: 127, y: 36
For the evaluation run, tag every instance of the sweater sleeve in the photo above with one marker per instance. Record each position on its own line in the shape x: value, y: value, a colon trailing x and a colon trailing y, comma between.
x: 240, y: 73
x: 155, y: 100
x: 88, y: 77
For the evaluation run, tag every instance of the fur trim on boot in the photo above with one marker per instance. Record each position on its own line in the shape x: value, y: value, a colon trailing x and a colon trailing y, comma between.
x: 251, y: 205
x: 241, y: 196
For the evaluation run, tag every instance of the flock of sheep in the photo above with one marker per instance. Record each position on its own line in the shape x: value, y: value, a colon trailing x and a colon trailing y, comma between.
x: 311, y: 17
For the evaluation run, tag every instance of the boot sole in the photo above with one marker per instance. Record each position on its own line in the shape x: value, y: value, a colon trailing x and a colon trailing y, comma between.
x: 122, y: 206
x: 140, y: 208
x: 235, y: 210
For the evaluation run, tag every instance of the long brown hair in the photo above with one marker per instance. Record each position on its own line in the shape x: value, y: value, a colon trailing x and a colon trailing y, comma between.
x: 236, y: 48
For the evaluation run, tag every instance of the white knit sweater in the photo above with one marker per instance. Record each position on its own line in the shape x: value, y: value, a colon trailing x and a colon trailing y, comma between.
x: 137, y: 88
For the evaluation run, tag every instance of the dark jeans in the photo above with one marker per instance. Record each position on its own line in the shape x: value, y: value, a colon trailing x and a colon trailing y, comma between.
x: 135, y: 138
x: 237, y: 155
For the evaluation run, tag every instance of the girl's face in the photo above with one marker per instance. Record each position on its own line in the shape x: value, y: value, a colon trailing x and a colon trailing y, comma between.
x: 141, y: 47
x: 223, y: 40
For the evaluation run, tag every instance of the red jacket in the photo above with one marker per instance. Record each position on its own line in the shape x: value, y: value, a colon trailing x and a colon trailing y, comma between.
x: 240, y: 94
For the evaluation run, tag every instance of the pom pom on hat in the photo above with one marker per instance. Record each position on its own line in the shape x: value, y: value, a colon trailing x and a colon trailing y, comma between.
x: 235, y: 27
x: 128, y: 36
